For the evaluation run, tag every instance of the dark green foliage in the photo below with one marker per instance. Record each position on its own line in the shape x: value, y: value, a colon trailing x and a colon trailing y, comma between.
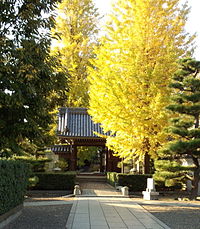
x: 184, y: 130
x: 134, y: 182
x: 55, y: 181
x: 170, y: 173
x: 112, y: 178
x: 36, y: 164
x: 13, y: 183
x: 29, y: 86
x: 87, y: 153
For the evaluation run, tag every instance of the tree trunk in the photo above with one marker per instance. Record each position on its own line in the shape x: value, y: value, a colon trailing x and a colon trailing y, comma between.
x: 122, y: 165
x: 146, y: 163
x: 195, y: 182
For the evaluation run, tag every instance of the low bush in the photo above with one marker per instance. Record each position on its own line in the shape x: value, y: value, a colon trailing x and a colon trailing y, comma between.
x: 137, y: 183
x: 161, y: 187
x: 134, y: 182
x: 13, y: 183
x: 62, y: 164
x: 37, y: 164
x: 55, y: 181
x: 112, y: 178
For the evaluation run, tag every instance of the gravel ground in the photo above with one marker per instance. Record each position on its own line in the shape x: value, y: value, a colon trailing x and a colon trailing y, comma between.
x: 176, y: 217
x: 47, y: 193
x: 42, y: 217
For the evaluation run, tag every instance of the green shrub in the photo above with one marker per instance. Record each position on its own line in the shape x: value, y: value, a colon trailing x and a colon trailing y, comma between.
x: 55, y: 181
x: 32, y: 181
x: 160, y: 186
x: 62, y: 164
x: 112, y: 178
x: 37, y: 164
x: 135, y: 183
x: 13, y: 183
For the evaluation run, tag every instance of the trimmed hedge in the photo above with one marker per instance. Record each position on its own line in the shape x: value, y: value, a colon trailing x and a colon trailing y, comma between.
x: 55, y: 181
x: 112, y: 178
x: 37, y: 164
x: 13, y: 183
x: 135, y: 183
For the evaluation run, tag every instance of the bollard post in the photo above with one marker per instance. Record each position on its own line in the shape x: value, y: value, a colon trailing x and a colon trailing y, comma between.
x: 125, y: 191
x: 77, y: 190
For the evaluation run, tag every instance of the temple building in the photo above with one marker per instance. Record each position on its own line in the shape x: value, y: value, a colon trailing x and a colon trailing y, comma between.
x: 75, y: 129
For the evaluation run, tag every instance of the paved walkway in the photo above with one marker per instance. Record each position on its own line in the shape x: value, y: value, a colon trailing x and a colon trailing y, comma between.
x: 99, y: 207
x: 108, y: 213
x: 102, y: 207
x: 90, y: 189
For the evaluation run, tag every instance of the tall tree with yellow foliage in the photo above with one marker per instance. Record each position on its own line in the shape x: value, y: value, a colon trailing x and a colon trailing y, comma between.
x: 134, y: 65
x: 76, y: 29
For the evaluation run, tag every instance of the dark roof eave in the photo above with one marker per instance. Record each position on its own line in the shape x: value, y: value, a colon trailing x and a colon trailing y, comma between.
x: 79, y: 137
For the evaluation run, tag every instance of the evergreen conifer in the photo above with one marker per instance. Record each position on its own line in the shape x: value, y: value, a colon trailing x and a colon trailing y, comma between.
x: 184, y: 141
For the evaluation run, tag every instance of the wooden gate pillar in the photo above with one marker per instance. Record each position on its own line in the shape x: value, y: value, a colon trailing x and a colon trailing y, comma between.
x: 102, y: 167
x: 73, y: 162
x: 108, y: 161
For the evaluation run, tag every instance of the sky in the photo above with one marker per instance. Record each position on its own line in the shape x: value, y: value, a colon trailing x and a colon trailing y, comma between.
x: 192, y: 26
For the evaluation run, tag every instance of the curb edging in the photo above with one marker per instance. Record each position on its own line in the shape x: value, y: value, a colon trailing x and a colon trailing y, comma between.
x: 11, y: 215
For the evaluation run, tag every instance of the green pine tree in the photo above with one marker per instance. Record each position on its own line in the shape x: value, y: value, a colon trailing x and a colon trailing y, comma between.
x: 184, y: 129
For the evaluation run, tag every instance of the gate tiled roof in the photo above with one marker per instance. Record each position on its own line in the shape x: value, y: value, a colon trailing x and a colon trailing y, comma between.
x: 76, y: 122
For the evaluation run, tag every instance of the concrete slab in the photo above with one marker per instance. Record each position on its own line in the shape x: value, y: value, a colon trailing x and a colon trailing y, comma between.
x: 116, y: 213
x: 47, y: 203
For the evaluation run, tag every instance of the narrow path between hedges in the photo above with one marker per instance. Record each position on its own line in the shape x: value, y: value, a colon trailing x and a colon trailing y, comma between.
x: 98, y: 189
x: 96, y: 185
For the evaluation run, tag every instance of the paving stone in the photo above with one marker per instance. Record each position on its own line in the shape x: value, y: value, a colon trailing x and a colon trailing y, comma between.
x: 111, y: 213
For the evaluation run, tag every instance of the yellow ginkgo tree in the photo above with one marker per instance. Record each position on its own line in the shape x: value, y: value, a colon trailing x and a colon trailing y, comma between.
x: 76, y: 30
x: 135, y: 63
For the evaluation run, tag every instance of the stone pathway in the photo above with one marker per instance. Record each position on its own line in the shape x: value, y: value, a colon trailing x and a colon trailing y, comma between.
x: 102, y: 207
x: 98, y: 189
x: 110, y: 213
x: 96, y: 185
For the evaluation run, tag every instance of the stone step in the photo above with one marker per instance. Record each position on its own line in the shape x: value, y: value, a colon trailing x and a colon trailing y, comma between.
x: 100, y: 193
x: 84, y: 178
